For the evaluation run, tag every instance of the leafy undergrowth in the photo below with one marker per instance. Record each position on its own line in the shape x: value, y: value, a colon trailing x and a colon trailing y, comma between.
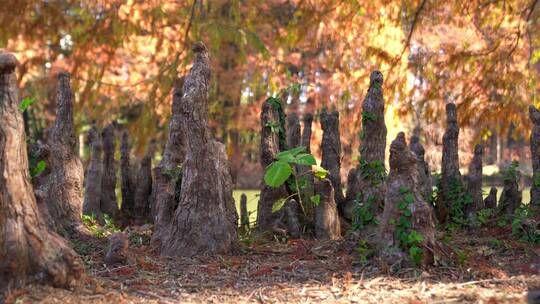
x: 491, y: 270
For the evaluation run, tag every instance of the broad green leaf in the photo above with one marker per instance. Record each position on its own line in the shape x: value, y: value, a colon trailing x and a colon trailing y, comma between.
x: 315, y: 199
x: 278, y: 205
x: 26, y: 102
x: 277, y: 173
x: 320, y: 172
x: 40, y: 167
x: 305, y: 159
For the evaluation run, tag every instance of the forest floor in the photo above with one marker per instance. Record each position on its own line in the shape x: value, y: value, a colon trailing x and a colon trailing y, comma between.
x: 492, y: 268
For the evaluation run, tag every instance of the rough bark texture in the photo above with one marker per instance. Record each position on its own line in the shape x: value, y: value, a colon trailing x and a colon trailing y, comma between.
x: 109, y: 204
x: 166, y: 189
x: 127, y: 183
x: 293, y: 224
x: 404, y: 175
x: 331, y: 151
x: 491, y: 199
x: 424, y: 176
x: 64, y: 197
x: 327, y: 225
x: 306, y: 131
x: 511, y: 195
x: 534, y: 115
x: 450, y: 163
x: 369, y: 186
x: 94, y: 171
x: 143, y: 190
x: 244, y: 215
x: 474, y: 182
x: 266, y: 219
x: 29, y: 250
x: 293, y: 130
x: 205, y: 220
x: 117, y: 249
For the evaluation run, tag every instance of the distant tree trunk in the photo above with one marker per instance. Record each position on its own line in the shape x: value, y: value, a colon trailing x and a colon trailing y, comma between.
x: 64, y: 197
x: 331, y: 151
x: 474, y: 182
x: 126, y: 174
x: 404, y: 202
x: 270, y: 147
x: 29, y: 250
x: 491, y: 199
x: 205, y: 220
x: 144, y: 186
x: 168, y: 174
x: 92, y: 182
x: 109, y: 205
x: 327, y: 225
x: 423, y: 168
x: 306, y: 132
x: 369, y: 189
x: 244, y: 215
x: 450, y: 174
x: 534, y: 115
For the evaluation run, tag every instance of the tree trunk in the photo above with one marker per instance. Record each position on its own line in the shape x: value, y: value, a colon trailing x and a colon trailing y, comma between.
x: 405, y: 210
x: 64, y: 197
x: 270, y: 147
x: 369, y: 190
x: 534, y: 115
x: 474, y: 182
x: 423, y: 168
x: 168, y: 174
x: 327, y: 225
x: 205, y: 220
x: 92, y: 182
x: 126, y: 173
x: 28, y: 249
x: 144, y: 186
x: 331, y: 151
x: 109, y: 205
x: 450, y: 174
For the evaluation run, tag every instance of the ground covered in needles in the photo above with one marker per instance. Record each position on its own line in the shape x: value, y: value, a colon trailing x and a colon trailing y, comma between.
x: 489, y: 268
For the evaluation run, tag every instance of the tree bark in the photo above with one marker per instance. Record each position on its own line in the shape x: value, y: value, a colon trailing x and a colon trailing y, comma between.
x: 92, y: 182
x: 403, y: 194
x: 424, y: 176
x: 306, y: 132
x: 64, y: 198
x: 293, y: 224
x: 534, y: 115
x: 331, y: 151
x: 474, y: 182
x: 127, y: 183
x: 168, y: 174
x: 370, y: 185
x: 205, y: 220
x: 327, y: 225
x: 144, y: 186
x: 109, y: 204
x: 450, y: 163
x: 29, y: 251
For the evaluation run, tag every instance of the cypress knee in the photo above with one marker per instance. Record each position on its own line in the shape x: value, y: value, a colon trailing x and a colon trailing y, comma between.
x: 141, y: 209
x: 327, y: 225
x: 92, y: 182
x: 423, y: 168
x: 491, y: 200
x: 331, y: 151
x: 474, y: 182
x: 244, y: 215
x: 205, y: 220
x: 306, y: 131
x: 127, y: 184
x: 109, y: 204
x: 511, y: 195
x: 293, y: 224
x: 29, y: 250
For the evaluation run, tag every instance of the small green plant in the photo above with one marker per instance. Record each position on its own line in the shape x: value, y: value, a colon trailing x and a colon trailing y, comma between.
x: 363, y: 214
x: 524, y: 226
x: 373, y: 171
x: 26, y: 102
x: 409, y: 239
x: 484, y: 215
x: 460, y: 198
x: 363, y: 250
x: 98, y: 230
x: 366, y: 116
x: 38, y: 168
x: 511, y: 173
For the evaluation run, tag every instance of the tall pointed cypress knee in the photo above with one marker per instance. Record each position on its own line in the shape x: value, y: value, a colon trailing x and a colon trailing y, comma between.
x: 65, y: 191
x: 92, y: 183
x: 534, y: 115
x: 491, y: 199
x: 327, y: 225
x: 109, y: 204
x: 141, y: 209
x: 450, y: 175
x: 331, y: 151
x: 205, y: 220
x: 423, y: 168
x: 127, y: 184
x: 244, y: 215
x: 29, y: 250
x: 305, y: 174
x: 511, y: 196
x: 168, y: 174
x: 370, y: 187
x: 306, y: 131
x: 474, y: 182
x: 271, y: 145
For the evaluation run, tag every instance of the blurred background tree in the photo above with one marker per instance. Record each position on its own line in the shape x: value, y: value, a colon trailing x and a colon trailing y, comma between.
x: 124, y: 57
